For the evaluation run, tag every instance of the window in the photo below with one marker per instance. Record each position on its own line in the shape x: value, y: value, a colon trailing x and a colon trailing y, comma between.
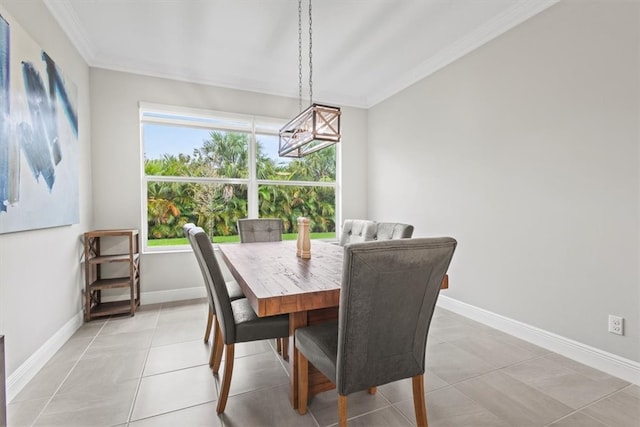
x: 214, y: 168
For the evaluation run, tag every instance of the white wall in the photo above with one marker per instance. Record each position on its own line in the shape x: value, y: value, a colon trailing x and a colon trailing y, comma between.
x: 40, y: 271
x: 117, y: 165
x: 527, y: 152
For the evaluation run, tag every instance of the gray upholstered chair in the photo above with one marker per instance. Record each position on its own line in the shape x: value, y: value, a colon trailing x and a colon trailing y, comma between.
x: 252, y: 230
x: 392, y: 230
x: 236, y: 319
x: 232, y: 288
x: 255, y: 230
x: 388, y: 295
x: 357, y: 230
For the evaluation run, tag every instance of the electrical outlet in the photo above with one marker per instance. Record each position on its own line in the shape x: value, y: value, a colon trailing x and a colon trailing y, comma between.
x: 616, y: 324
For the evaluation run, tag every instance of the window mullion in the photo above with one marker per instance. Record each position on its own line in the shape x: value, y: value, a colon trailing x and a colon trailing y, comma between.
x: 253, y: 175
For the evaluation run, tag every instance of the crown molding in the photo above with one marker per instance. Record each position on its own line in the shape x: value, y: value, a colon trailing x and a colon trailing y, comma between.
x: 510, y: 18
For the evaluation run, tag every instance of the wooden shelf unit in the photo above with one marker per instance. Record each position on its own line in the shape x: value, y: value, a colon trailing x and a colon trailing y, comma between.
x: 96, y: 282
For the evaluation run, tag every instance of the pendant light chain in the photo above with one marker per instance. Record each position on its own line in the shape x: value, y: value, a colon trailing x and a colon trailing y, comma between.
x: 317, y: 126
x: 300, y: 55
x: 310, y: 58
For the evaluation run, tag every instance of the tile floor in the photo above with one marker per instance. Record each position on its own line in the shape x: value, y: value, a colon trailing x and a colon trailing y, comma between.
x: 152, y: 370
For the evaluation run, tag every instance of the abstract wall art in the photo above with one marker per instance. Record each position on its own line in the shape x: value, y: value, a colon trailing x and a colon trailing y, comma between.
x: 38, y: 136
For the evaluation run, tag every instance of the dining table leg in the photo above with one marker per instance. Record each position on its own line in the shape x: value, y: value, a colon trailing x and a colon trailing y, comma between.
x: 296, y: 320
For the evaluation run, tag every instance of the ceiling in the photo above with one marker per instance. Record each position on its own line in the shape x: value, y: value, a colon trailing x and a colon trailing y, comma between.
x: 363, y: 50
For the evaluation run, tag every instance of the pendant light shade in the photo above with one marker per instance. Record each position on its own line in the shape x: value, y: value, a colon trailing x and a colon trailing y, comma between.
x: 316, y: 127
x: 313, y: 129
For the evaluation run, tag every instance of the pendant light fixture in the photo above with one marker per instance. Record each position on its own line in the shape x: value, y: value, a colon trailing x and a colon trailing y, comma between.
x: 318, y: 126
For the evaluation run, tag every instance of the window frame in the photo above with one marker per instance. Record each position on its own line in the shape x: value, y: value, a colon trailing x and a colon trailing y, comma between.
x: 229, y: 122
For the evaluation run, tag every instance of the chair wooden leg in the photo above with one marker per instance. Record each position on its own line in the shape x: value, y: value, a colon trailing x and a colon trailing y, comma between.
x: 418, y: 401
x: 216, y: 341
x: 226, y: 378
x: 285, y: 348
x: 303, y: 383
x: 218, y: 346
x: 207, y: 331
x: 212, y: 358
x: 372, y: 390
x: 278, y: 346
x: 342, y: 410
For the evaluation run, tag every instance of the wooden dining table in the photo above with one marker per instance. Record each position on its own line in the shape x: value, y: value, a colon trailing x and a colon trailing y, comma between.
x: 276, y: 281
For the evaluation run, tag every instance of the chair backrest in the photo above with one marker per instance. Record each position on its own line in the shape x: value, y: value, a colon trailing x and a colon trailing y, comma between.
x: 186, y: 229
x: 214, y: 279
x: 393, y: 230
x: 357, y: 230
x: 388, y: 295
x: 260, y: 230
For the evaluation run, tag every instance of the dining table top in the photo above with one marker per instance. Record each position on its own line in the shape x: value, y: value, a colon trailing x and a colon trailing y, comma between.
x: 276, y: 281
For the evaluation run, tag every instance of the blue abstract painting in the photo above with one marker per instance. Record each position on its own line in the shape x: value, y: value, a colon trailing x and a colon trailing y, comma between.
x: 38, y: 136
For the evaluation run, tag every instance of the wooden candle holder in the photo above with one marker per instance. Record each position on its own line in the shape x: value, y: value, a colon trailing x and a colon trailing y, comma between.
x: 304, y: 241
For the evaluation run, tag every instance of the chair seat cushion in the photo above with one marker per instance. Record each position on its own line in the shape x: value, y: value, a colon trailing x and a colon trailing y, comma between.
x: 319, y: 344
x: 250, y: 327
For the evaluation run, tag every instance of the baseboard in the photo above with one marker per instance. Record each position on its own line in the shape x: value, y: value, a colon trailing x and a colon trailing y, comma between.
x: 158, y: 297
x: 25, y: 372
x: 610, y: 363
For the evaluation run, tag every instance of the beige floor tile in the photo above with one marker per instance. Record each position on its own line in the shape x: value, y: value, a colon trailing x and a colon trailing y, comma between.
x: 621, y: 409
x: 105, y: 369
x: 90, y: 329
x: 578, y: 419
x: 492, y: 350
x: 452, y: 327
x: 512, y: 400
x: 633, y: 390
x: 384, y: 417
x: 72, y: 350
x: 324, y: 406
x: 159, y: 394
x: 107, y: 405
x: 266, y: 407
x: 24, y: 413
x: 510, y: 339
x: 255, y: 372
x: 123, y: 342
x: 453, y: 364
x: 46, y: 382
x: 584, y: 370
x: 143, y: 320
x: 172, y: 357
x: 194, y: 416
x: 569, y: 383
x: 176, y: 313
x: 449, y: 407
x: 254, y: 347
x: 402, y: 390
x: 178, y: 332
